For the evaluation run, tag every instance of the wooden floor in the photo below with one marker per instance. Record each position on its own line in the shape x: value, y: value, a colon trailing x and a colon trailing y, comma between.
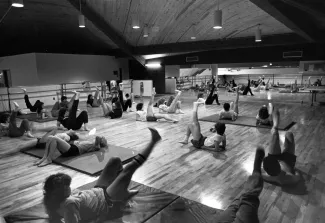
x: 213, y: 179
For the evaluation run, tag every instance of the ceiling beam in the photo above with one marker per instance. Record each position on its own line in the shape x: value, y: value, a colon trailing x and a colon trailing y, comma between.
x: 106, y: 28
x: 208, y: 45
x: 295, y: 19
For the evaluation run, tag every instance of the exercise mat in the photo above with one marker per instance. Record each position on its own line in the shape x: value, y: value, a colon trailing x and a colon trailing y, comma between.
x: 247, y: 121
x: 89, y: 163
x: 33, y: 118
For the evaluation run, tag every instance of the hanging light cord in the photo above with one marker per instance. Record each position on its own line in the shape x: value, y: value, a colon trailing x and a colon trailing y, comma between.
x: 80, y: 6
x: 4, y: 16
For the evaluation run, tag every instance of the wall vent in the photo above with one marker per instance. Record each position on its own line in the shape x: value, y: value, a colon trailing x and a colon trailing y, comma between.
x: 292, y: 54
x: 192, y: 59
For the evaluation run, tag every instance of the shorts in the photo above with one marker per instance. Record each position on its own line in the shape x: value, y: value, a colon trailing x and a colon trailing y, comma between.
x: 73, y: 151
x: 151, y: 119
x: 198, y: 143
x: 288, y: 158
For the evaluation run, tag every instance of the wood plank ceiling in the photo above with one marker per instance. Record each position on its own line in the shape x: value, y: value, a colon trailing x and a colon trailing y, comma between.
x: 170, y: 21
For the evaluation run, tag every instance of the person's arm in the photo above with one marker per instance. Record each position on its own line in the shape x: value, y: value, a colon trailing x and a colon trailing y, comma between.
x: 224, y: 142
x: 218, y: 147
x: 71, y: 214
x: 234, y: 116
x: 58, y: 124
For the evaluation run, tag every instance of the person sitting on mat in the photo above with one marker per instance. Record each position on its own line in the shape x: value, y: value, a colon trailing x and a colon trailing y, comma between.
x: 230, y: 111
x: 72, y: 121
x: 113, y: 109
x: 172, y: 105
x: 216, y: 142
x: 213, y: 95
x: 149, y: 115
x: 63, y: 104
x: 109, y: 196
x: 94, y: 101
x: 245, y: 207
x: 264, y: 116
x: 54, y: 143
x: 280, y: 165
x: 128, y: 103
x: 9, y: 125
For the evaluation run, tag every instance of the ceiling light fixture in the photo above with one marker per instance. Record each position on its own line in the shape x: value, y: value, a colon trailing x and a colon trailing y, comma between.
x: 17, y: 3
x: 153, y: 65
x: 135, y: 22
x: 145, y: 31
x: 193, y: 32
x: 81, y: 18
x: 258, y: 34
x: 217, y: 18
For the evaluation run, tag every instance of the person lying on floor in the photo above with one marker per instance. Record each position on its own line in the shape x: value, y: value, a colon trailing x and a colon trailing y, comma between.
x: 72, y: 121
x: 64, y: 104
x: 230, y: 111
x: 264, y: 116
x: 9, y: 126
x: 172, y: 106
x: 113, y: 110
x: 246, y: 88
x: 108, y: 198
x: 216, y: 142
x: 244, y: 208
x: 38, y: 106
x: 67, y: 136
x: 280, y: 165
x: 76, y: 148
x: 149, y: 115
x: 94, y: 101
x: 128, y: 103
x: 213, y: 95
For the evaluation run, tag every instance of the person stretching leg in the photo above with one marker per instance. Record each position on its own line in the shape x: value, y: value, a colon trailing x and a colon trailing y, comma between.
x: 245, y: 208
x: 72, y: 121
x: 199, y: 141
x: 175, y: 104
x: 230, y: 111
x: 94, y: 101
x: 150, y: 116
x: 280, y: 165
x: 108, y: 197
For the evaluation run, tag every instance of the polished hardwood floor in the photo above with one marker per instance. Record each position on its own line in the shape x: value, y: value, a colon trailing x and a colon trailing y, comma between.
x: 213, y: 179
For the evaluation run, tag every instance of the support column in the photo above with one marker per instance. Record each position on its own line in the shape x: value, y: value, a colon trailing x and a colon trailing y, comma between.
x: 214, y: 69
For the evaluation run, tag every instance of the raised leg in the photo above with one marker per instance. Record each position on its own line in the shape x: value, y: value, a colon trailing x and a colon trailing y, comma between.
x: 172, y: 107
x: 236, y: 102
x: 274, y: 147
x: 150, y: 111
x: 118, y: 190
x: 70, y: 104
x: 46, y: 136
x: 110, y: 172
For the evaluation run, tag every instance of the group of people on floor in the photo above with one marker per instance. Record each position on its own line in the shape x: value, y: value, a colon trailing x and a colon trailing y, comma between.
x: 111, y: 191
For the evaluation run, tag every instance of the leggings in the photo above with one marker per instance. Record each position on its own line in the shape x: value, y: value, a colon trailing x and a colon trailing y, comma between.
x: 120, y: 95
x: 33, y: 108
x: 15, y: 131
x: 127, y: 104
x: 73, y: 121
x: 212, y: 96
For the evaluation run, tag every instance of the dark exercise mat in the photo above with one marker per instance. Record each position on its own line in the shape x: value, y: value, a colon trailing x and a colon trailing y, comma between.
x: 89, y: 163
x: 247, y: 121
x: 147, y: 203
x: 184, y: 210
x: 33, y: 118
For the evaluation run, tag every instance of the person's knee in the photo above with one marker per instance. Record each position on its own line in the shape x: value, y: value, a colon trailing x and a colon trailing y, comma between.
x: 115, y: 161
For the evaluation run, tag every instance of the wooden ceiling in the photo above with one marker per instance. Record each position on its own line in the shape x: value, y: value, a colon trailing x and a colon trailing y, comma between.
x: 52, y: 25
x: 172, y: 21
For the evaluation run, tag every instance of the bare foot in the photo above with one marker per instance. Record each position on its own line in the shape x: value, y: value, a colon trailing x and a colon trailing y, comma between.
x: 24, y: 89
x: 185, y: 142
x: 75, y: 92
x: 29, y: 135
x: 38, y: 162
x: 180, y: 111
x: 45, y: 163
x: 131, y: 193
x: 276, y: 117
x: 16, y: 105
x: 155, y: 135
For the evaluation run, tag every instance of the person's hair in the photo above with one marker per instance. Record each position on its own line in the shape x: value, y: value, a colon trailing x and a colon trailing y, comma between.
x: 139, y: 106
x: 272, y: 166
x: 170, y: 100
x: 127, y: 95
x: 89, y: 98
x: 161, y: 101
x: 263, y: 113
x: 200, y: 95
x: 103, y: 142
x: 63, y: 98
x: 4, y: 117
x: 54, y: 193
x: 220, y: 128
x: 226, y: 106
x: 73, y: 136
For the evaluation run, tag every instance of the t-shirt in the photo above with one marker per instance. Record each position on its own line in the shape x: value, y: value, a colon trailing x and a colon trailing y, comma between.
x: 227, y: 114
x: 87, y: 205
x: 141, y: 116
x: 209, y: 142
x: 85, y: 146
x: 163, y: 107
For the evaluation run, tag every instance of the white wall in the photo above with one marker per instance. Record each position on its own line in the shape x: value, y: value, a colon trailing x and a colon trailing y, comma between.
x: 22, y: 68
x: 68, y: 68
